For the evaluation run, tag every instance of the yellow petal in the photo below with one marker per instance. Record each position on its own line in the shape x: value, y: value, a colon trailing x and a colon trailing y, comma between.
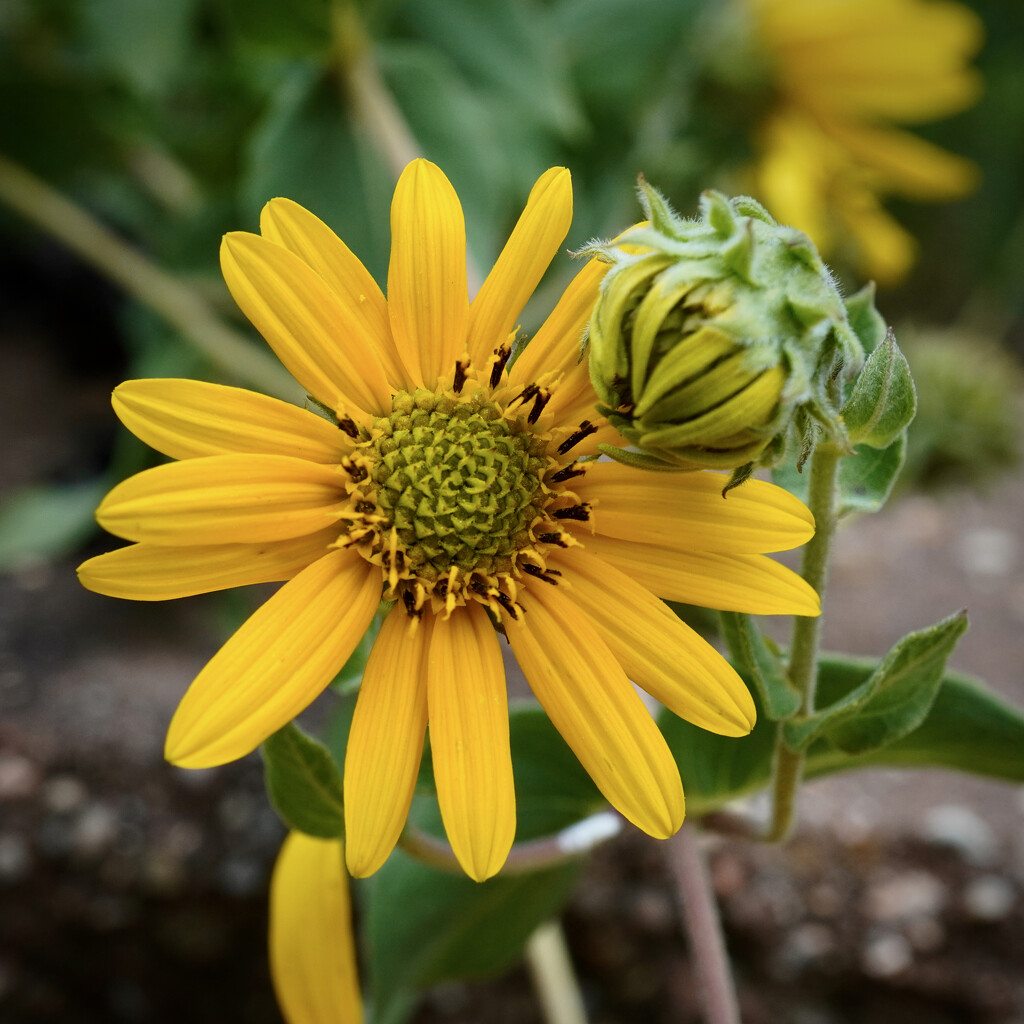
x: 386, y: 741
x: 427, y: 293
x: 885, y: 251
x: 688, y: 511
x: 312, y: 950
x: 225, y: 499
x: 558, y: 344
x: 149, y: 572
x: 469, y: 742
x: 754, y: 584
x: 277, y: 663
x: 294, y: 227
x: 659, y: 653
x: 186, y: 419
x: 906, y: 163
x: 522, y: 263
x: 328, y: 350
x: 591, y: 703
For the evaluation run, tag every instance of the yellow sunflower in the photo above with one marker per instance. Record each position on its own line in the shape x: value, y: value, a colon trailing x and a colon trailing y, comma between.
x: 455, y: 489
x: 846, y: 72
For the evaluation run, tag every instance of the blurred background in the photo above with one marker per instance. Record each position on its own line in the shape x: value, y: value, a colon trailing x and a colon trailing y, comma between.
x: 134, y: 133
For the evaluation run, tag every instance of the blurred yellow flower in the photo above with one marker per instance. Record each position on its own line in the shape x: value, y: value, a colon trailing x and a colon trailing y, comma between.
x: 452, y: 486
x: 845, y: 72
x: 312, y: 948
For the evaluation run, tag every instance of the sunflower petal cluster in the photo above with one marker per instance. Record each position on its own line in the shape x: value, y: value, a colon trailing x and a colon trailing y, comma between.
x: 846, y: 73
x: 461, y: 492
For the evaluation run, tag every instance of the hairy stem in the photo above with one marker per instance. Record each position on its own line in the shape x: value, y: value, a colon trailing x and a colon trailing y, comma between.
x: 803, y: 656
x: 703, y: 927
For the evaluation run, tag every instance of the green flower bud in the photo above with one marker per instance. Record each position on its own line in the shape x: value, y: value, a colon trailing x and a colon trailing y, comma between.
x: 712, y: 338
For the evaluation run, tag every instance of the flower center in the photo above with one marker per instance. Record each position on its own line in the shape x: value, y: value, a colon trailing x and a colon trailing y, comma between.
x: 460, y: 484
x: 455, y: 497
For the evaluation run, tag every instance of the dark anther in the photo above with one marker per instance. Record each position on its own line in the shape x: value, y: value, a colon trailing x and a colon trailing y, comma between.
x: 542, y: 399
x: 530, y: 391
x: 552, y: 538
x: 585, y: 430
x: 506, y: 602
x: 460, y: 376
x: 410, y: 604
x: 366, y: 507
x: 441, y: 588
x: 539, y: 573
x: 567, y: 473
x: 503, y: 352
x: 478, y: 586
x: 579, y: 513
x: 355, y: 471
x: 347, y: 424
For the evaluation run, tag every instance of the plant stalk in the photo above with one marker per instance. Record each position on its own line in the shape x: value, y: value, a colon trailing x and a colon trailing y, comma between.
x: 547, y: 957
x: 178, y: 303
x: 703, y: 927
x: 803, y: 657
x: 524, y: 857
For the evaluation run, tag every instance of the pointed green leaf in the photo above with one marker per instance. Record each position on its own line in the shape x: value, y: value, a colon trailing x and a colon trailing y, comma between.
x: 883, y: 400
x: 866, y: 321
x: 968, y: 728
x: 867, y: 477
x: 304, y: 783
x: 756, y: 659
x: 892, y: 702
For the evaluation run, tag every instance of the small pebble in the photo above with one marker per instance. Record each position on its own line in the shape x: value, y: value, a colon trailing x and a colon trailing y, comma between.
x: 63, y: 793
x: 988, y: 551
x: 989, y: 898
x: 960, y: 829
x: 15, y: 858
x: 904, y: 897
x: 886, y: 954
x: 95, y: 830
x: 19, y: 777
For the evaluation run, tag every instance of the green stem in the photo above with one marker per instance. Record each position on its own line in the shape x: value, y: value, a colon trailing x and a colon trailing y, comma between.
x: 526, y: 856
x: 178, y: 303
x: 803, y: 657
x: 547, y: 956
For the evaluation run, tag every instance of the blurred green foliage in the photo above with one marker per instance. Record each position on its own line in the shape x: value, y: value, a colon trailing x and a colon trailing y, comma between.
x: 175, y: 120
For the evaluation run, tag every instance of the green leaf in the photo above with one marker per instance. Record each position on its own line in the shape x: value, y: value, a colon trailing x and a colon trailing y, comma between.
x: 892, y: 702
x: 883, y: 400
x: 303, y: 783
x: 425, y: 926
x: 968, y: 728
x: 509, y: 49
x: 866, y: 321
x: 867, y: 477
x: 142, y: 42
x: 305, y: 149
x: 298, y: 27
x: 40, y: 523
x: 452, y: 927
x: 758, y: 661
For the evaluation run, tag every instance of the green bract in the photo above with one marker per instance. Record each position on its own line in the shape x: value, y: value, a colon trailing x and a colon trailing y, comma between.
x: 712, y: 336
